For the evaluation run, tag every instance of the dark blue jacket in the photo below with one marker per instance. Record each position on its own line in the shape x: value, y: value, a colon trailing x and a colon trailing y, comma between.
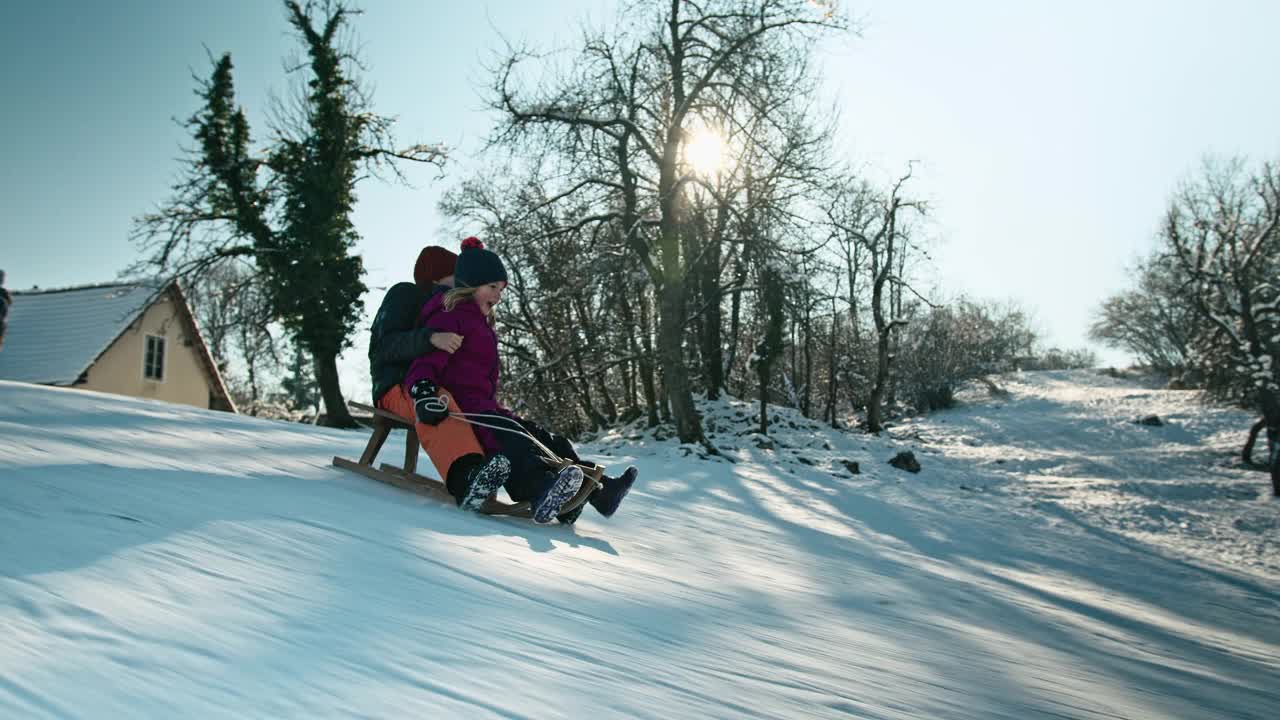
x: 395, y: 338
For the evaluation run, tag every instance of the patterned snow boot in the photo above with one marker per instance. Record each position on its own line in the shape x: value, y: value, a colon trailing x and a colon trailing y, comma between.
x: 554, y: 494
x: 484, y: 480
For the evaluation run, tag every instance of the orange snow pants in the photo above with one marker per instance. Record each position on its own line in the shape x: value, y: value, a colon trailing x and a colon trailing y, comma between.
x: 444, y: 443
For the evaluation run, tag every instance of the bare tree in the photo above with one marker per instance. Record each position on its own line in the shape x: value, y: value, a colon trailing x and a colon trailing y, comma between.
x: 1224, y: 232
x: 236, y: 320
x: 872, y: 237
x: 1156, y: 321
x: 643, y: 92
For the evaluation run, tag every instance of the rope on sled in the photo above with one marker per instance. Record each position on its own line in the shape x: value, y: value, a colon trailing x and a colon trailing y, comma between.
x: 441, y: 402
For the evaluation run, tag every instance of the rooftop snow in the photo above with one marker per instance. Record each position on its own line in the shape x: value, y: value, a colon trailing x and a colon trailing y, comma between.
x: 54, y: 335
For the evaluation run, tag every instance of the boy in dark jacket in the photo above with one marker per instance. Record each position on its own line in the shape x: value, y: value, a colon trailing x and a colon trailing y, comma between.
x: 396, y: 340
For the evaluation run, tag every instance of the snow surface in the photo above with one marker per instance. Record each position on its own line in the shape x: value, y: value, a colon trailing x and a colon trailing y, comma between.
x: 158, y: 561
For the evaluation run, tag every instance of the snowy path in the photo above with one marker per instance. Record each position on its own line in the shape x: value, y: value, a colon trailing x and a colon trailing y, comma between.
x: 1069, y: 442
x: 162, y: 562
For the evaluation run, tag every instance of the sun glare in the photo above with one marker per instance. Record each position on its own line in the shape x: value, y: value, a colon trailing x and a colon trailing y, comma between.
x: 705, y: 151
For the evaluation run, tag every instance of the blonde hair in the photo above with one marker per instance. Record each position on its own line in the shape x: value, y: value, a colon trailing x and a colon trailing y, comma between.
x: 459, y: 294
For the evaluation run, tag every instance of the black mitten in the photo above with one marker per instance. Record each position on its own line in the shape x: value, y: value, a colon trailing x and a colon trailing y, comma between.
x: 429, y: 407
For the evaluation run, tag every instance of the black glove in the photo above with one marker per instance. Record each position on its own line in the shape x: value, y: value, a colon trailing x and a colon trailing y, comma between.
x: 429, y: 407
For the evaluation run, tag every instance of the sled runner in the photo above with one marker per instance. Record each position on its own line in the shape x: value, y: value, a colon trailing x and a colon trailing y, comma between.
x: 406, y: 477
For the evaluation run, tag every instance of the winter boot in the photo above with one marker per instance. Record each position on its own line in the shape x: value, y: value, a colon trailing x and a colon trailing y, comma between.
x: 483, y: 480
x: 554, y: 494
x: 571, y: 517
x: 607, y: 499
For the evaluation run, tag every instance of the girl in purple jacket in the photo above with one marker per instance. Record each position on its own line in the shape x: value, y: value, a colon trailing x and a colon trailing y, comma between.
x: 471, y: 375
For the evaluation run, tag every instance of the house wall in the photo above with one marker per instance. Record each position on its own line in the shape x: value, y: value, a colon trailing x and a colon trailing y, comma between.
x: 119, y: 370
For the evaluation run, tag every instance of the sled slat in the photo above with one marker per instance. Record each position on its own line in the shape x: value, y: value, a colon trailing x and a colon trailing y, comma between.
x: 492, y: 506
x: 418, y: 484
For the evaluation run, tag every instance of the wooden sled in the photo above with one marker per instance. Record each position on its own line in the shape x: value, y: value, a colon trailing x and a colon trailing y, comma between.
x: 407, y: 477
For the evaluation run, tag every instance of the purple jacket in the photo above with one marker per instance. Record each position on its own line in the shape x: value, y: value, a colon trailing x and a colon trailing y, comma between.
x: 471, y: 373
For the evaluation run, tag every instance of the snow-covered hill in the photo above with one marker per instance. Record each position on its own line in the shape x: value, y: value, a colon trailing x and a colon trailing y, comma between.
x: 1052, y: 559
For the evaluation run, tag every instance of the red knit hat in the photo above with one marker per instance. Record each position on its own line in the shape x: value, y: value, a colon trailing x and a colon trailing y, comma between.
x: 434, y: 263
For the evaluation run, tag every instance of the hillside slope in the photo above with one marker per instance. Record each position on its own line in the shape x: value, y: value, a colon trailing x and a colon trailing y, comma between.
x: 161, y: 561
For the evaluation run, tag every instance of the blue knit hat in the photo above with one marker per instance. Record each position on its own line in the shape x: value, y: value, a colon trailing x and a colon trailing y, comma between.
x: 477, y: 266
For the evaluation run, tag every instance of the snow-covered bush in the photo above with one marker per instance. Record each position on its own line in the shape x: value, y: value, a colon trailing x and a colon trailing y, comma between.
x: 1218, y: 253
x: 955, y: 343
x: 1056, y: 358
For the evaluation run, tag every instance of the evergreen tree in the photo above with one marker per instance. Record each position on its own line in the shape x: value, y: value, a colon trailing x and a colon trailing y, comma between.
x: 299, y: 385
x: 290, y: 213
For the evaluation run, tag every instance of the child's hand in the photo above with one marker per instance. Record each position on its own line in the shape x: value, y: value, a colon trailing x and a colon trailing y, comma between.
x: 428, y: 404
x: 446, y: 341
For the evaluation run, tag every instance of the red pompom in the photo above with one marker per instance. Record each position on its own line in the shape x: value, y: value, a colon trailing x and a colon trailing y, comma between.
x: 472, y: 242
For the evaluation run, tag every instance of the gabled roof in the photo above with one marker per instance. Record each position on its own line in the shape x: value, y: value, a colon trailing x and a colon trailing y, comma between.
x: 206, y: 357
x: 54, y: 336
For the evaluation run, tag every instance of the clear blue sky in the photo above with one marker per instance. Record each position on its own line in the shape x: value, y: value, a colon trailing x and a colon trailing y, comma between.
x: 1049, y: 135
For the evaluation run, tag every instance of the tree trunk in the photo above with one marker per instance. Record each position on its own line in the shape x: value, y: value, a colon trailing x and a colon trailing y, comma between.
x: 795, y: 361
x: 833, y: 381
x: 335, y: 407
x: 631, y: 368
x: 606, y: 398
x: 674, y: 373
x: 881, y: 267
x: 647, y: 380
x: 630, y: 393
x: 671, y: 305
x: 1273, y: 440
x: 671, y: 295
x: 771, y: 347
x: 253, y: 388
x: 763, y: 373
x: 664, y: 398
x: 851, y: 266
x: 712, y: 345
x: 583, y: 389
x: 1247, y: 453
x: 1269, y: 400
x: 806, y: 333
x: 895, y: 312
x: 735, y: 313
x: 691, y: 237
x: 875, y: 403
x: 597, y: 418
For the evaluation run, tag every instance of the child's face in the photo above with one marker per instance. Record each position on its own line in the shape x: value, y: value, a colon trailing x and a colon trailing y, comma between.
x: 488, y: 296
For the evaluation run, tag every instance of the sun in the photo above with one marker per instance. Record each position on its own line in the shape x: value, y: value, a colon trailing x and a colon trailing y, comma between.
x: 705, y: 151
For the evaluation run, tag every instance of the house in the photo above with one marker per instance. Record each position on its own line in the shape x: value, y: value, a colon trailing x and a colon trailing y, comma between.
x: 136, y: 339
